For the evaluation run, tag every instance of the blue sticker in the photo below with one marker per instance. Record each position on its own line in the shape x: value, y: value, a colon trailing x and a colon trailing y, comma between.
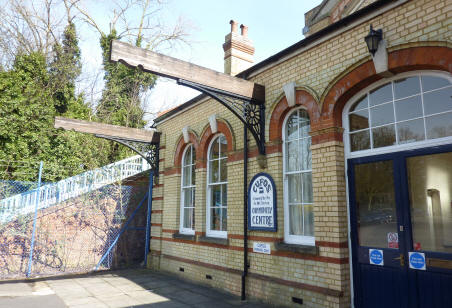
x: 376, y: 256
x: 417, y: 260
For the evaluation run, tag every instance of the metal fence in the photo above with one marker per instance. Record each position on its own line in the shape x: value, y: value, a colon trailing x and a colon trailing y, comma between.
x: 53, y: 229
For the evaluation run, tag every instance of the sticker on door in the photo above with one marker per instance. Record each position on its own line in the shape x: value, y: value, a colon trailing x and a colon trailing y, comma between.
x: 417, y: 260
x: 376, y: 257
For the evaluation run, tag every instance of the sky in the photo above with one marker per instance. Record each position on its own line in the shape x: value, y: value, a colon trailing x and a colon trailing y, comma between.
x: 273, y: 26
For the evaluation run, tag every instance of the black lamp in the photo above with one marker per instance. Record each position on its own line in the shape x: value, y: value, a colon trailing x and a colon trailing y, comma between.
x: 373, y: 39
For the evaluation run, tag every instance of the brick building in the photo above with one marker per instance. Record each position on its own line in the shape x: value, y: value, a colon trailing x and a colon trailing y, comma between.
x: 358, y: 146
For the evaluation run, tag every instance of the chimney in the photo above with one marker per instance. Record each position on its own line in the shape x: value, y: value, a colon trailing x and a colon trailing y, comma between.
x: 238, y: 50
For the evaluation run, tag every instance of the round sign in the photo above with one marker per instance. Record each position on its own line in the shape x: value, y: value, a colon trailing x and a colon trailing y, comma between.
x: 376, y: 257
x: 417, y: 260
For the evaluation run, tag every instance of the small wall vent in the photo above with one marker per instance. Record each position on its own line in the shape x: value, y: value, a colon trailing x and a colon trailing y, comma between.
x: 208, y: 277
x: 297, y: 300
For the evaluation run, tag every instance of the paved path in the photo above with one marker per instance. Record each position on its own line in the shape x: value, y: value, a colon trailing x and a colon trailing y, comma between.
x: 126, y: 288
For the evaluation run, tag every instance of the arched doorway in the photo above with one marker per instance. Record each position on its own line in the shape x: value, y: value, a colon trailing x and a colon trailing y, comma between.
x: 398, y: 145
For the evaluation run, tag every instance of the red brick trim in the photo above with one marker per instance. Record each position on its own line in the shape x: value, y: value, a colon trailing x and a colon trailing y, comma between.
x: 402, y: 60
x: 302, y: 98
x: 157, y: 198
x: 156, y: 225
x: 332, y: 244
x: 171, y: 171
x: 299, y: 285
x: 169, y: 231
x: 181, y: 145
x: 158, y: 185
x: 162, y: 147
x: 156, y: 211
x: 207, y: 136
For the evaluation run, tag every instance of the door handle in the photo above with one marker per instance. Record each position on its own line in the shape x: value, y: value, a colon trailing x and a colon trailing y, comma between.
x: 402, y: 259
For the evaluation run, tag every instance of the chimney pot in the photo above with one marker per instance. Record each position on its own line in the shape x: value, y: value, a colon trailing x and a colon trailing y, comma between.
x: 234, y: 25
x: 244, y: 30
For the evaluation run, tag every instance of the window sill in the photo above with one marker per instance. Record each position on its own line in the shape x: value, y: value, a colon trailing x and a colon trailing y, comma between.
x: 214, y: 240
x: 186, y: 237
x: 304, y: 249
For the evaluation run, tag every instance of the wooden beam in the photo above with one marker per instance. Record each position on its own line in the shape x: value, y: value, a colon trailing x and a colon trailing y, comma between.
x: 177, y: 69
x: 108, y: 130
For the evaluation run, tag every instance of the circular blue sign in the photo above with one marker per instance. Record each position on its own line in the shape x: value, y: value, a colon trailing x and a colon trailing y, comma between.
x: 376, y: 257
x: 417, y: 260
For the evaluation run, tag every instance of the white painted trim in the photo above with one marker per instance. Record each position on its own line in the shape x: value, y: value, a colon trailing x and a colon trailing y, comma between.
x: 185, y: 134
x: 183, y: 230
x: 291, y: 239
x: 212, y: 233
x: 213, y: 123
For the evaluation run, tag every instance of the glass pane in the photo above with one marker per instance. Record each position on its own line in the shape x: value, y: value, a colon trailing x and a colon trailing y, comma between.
x: 187, y: 176
x: 294, y: 191
x: 188, y: 218
x: 375, y: 203
x: 439, y: 126
x: 305, y: 154
x: 188, y: 195
x: 383, y: 136
x: 215, y: 196
x: 187, y: 156
x: 380, y: 95
x: 224, y: 219
x: 224, y: 195
x: 223, y: 146
x: 296, y: 219
x: 360, y: 141
x: 430, y: 187
x: 223, y: 170
x: 411, y: 131
x: 359, y: 120
x: 215, y: 219
x: 303, y: 124
x: 438, y: 101
x: 307, y: 187
x: 292, y: 156
x: 431, y: 83
x: 193, y: 175
x: 292, y: 127
x: 308, y: 220
x: 213, y: 170
x: 406, y: 87
x: 381, y: 115
x: 408, y: 108
x: 361, y: 104
x: 214, y: 149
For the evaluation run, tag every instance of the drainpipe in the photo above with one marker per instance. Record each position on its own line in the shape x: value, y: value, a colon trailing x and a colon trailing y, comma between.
x: 245, y: 210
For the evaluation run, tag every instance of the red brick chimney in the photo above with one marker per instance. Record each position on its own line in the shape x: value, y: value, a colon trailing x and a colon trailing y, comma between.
x: 238, y: 50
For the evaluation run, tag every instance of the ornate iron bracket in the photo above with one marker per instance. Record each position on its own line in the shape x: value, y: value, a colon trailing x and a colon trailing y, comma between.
x: 149, y: 151
x: 249, y: 111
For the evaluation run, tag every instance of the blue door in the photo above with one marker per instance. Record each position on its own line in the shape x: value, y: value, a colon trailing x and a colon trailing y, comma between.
x: 401, y: 228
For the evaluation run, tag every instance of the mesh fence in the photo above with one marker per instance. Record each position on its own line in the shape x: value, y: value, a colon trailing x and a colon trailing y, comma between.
x: 73, y: 235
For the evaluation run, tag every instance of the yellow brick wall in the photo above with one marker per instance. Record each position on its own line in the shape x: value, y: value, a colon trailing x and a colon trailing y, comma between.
x: 415, y: 23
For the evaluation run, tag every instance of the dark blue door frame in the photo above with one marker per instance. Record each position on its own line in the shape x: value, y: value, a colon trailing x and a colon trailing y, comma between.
x: 408, y: 277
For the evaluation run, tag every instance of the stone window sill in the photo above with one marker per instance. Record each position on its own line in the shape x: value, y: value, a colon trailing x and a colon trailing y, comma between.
x: 214, y: 240
x: 304, y: 249
x: 186, y: 237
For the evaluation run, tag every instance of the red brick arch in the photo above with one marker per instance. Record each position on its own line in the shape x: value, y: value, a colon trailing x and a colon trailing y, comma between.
x: 181, y: 145
x: 207, y: 136
x: 302, y: 98
x: 403, y: 60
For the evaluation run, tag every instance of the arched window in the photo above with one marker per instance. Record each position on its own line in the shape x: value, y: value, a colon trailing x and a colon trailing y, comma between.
x: 217, y: 182
x: 416, y: 108
x: 298, y: 197
x: 187, y: 204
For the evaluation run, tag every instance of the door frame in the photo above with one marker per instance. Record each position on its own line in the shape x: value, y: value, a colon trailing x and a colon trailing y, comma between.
x: 403, y: 211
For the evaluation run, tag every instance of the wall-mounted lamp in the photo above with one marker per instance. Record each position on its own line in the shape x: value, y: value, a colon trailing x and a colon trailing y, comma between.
x: 373, y: 39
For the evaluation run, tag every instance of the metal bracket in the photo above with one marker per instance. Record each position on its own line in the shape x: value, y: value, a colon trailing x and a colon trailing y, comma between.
x: 249, y: 111
x: 149, y: 151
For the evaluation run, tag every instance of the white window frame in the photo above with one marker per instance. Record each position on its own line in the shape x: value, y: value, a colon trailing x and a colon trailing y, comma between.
x: 209, y: 232
x: 183, y: 230
x: 289, y: 238
x: 396, y: 147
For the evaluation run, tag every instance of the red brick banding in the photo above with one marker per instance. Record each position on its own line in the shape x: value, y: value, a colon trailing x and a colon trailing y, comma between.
x: 206, y: 138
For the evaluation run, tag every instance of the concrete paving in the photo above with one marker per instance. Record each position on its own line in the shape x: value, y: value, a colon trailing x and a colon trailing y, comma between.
x: 125, y: 288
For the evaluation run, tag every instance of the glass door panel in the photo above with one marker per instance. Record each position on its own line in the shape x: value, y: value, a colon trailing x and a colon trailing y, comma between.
x: 430, y: 193
x: 376, y: 205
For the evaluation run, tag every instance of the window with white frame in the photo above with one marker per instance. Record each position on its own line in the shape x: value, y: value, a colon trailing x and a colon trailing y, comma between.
x: 187, y: 205
x: 298, y: 196
x: 415, y: 108
x: 217, y: 182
